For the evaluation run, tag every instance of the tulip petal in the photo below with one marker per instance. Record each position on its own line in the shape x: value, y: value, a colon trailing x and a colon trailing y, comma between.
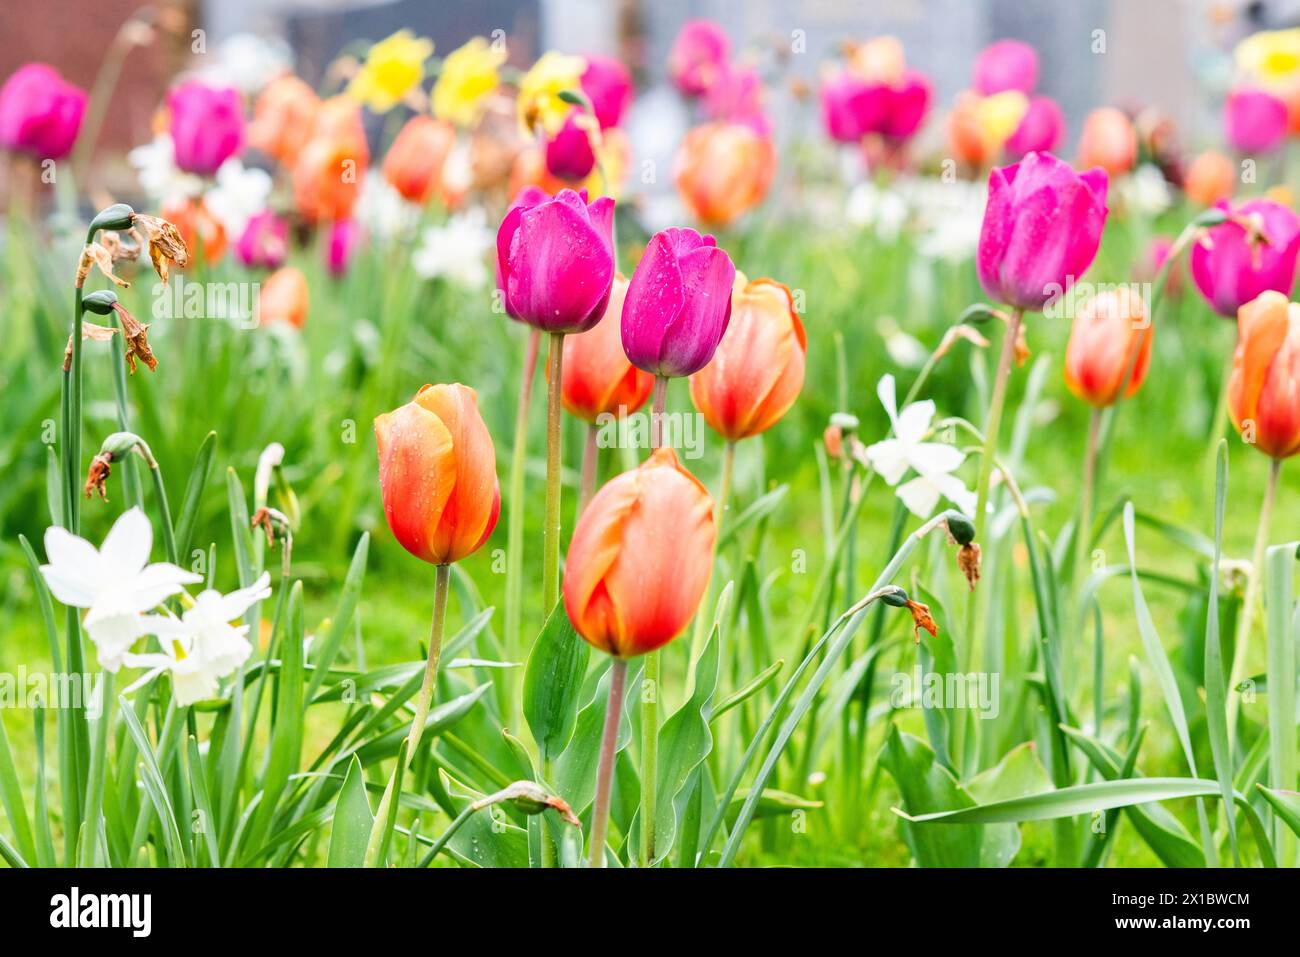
x: 559, y: 268
x: 465, y: 515
x: 417, y: 473
x: 693, y: 334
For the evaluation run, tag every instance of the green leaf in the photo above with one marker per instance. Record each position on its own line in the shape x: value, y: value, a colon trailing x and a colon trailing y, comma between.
x: 11, y: 795
x: 746, y: 691
x: 341, y: 624
x: 1283, y: 620
x: 352, y: 820
x: 202, y: 802
x: 1286, y: 804
x: 152, y: 779
x: 760, y: 508
x: 772, y: 803
x: 575, y: 770
x: 925, y: 786
x: 553, y: 681
x: 190, y: 504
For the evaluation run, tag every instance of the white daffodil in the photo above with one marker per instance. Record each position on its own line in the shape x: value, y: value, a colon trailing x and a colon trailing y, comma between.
x: 161, y: 179
x: 115, y: 582
x: 933, y: 462
x: 202, y: 646
x: 457, y: 250
x: 239, y: 194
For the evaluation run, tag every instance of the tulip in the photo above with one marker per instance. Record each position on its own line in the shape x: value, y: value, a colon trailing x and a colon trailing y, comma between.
x: 199, y: 230
x: 328, y: 172
x: 438, y: 481
x: 698, y: 55
x: 1041, y: 230
x: 40, y: 113
x: 757, y: 371
x: 723, y: 170
x: 555, y: 260
x: 597, y: 378
x: 1110, y: 338
x: 283, y: 118
x: 850, y: 107
x: 264, y: 242
x: 980, y: 126
x: 878, y: 60
x: 437, y: 474
x: 908, y: 104
x: 678, y: 303
x: 1254, y: 251
x: 608, y: 86
x: 393, y: 68
x: 1265, y: 378
x: 344, y: 240
x: 569, y: 154
x: 539, y: 102
x: 1255, y: 121
x: 207, y: 125
x: 1109, y: 141
x: 1210, y: 178
x: 416, y: 160
x: 736, y: 96
x: 283, y: 298
x: 469, y: 75
x: 1041, y: 129
x: 1006, y: 65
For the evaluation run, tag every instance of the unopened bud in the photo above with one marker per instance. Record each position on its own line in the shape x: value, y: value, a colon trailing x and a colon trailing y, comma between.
x: 117, y: 217
x: 960, y: 528
x: 100, y: 302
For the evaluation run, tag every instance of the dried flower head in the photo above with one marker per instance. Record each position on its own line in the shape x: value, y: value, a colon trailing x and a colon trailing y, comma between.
x: 166, y: 247
x: 968, y: 561
x: 91, y: 331
x: 97, y: 254
x: 921, y: 619
x: 136, y: 335
x: 97, y: 476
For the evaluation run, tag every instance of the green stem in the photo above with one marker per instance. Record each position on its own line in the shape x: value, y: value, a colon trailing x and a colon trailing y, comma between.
x: 657, y: 411
x: 391, y: 792
x: 88, y: 851
x: 465, y: 814
x: 724, y: 488
x: 1246, y: 617
x: 993, y: 424
x: 551, y: 546
x: 515, y: 524
x: 590, y: 464
x: 164, y: 509
x: 649, y: 755
x: 605, y: 769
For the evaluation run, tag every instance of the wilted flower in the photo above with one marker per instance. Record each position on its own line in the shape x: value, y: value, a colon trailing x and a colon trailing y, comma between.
x: 166, y: 247
x: 469, y: 75
x: 393, y: 68
x: 40, y: 112
x: 115, y: 583
x: 907, y: 450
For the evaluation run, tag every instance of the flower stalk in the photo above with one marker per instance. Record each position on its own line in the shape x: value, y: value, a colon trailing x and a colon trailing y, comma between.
x: 605, y: 769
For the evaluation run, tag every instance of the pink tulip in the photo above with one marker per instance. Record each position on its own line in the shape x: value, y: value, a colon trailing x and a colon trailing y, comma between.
x: 1255, y: 121
x: 698, y: 55
x: 736, y: 96
x: 851, y: 107
x: 678, y: 303
x: 1041, y: 230
x: 608, y: 86
x: 908, y: 103
x: 264, y: 242
x: 1232, y: 265
x: 344, y: 240
x: 569, y: 154
x: 207, y: 125
x: 1041, y: 129
x: 1006, y: 65
x: 40, y: 113
x: 555, y: 260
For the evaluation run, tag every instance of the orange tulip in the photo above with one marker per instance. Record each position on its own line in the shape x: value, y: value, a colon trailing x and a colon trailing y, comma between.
x: 1264, y: 387
x: 1210, y: 178
x: 328, y: 172
x: 639, y: 562
x: 596, y: 377
x: 415, y: 162
x: 1109, y: 141
x: 723, y: 170
x: 203, y: 233
x: 1111, y: 332
x: 283, y: 118
x: 283, y: 298
x: 437, y: 474
x: 757, y: 371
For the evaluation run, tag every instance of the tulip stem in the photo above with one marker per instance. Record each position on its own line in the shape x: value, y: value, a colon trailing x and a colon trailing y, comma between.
x: 993, y: 424
x: 649, y: 755
x: 551, y: 553
x: 605, y: 769
x: 515, y: 518
x: 1246, y: 617
x: 724, y: 488
x: 590, y: 464
x: 378, y: 831
x: 1083, y: 525
x: 657, y: 411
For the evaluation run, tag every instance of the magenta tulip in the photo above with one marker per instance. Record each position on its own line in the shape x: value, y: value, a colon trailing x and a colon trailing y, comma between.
x: 264, y: 241
x: 555, y: 260
x: 1255, y: 121
x: 569, y: 154
x: 344, y: 241
x: 1006, y: 65
x: 678, y: 303
x: 908, y: 103
x: 207, y: 125
x: 40, y: 113
x: 698, y: 56
x: 1232, y: 264
x: 608, y: 86
x: 736, y: 96
x: 1041, y: 129
x: 1041, y: 230
x: 851, y: 107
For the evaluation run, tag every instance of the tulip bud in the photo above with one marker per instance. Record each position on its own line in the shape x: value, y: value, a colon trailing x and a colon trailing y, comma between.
x: 207, y: 125
x: 283, y: 298
x: 437, y: 474
x: 569, y: 154
x: 1253, y: 251
x: 555, y: 260
x: 40, y: 112
x: 1254, y: 120
x: 757, y: 371
x: 1030, y: 202
x: 1006, y: 65
x: 1265, y: 377
x: 264, y: 242
x: 1111, y: 338
x: 698, y: 55
x: 596, y: 377
x: 1108, y: 140
x: 415, y: 162
x: 344, y: 239
x: 1210, y: 178
x: 678, y: 303
x: 640, y: 558
x: 723, y: 170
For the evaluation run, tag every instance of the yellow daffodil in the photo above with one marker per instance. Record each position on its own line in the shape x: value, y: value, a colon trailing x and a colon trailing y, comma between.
x: 468, y: 77
x: 1271, y: 56
x: 393, y: 68
x: 540, y: 88
x: 1000, y: 115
